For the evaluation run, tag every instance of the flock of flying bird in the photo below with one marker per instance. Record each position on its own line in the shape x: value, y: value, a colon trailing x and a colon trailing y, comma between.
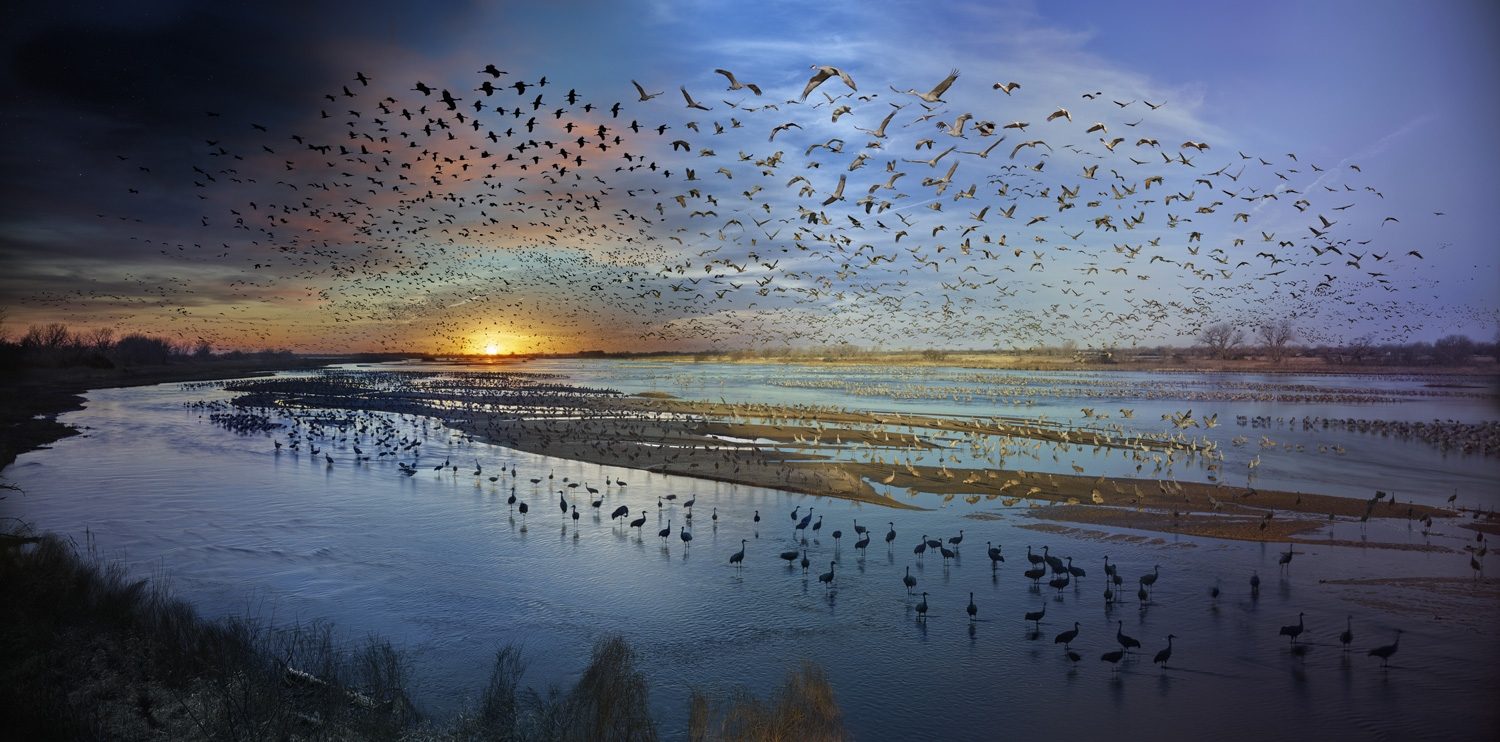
x: 850, y: 210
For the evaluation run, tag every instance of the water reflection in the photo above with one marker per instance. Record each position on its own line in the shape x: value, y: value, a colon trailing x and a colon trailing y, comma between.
x: 427, y: 560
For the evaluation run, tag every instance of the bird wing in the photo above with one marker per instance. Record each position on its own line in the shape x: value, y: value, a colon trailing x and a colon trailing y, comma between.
x: 942, y: 87
x: 817, y: 79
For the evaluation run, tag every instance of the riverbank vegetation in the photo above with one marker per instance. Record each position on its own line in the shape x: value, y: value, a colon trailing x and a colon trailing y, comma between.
x: 91, y: 653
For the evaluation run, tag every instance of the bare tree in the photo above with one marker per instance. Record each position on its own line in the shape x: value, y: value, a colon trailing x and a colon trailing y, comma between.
x: 1221, y: 338
x: 99, y: 340
x: 1275, y: 336
x: 1453, y: 350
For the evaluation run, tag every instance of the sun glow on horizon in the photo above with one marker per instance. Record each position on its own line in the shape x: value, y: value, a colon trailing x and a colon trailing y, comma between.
x: 492, y: 350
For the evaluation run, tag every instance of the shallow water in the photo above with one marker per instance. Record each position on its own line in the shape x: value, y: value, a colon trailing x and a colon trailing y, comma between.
x: 437, y: 563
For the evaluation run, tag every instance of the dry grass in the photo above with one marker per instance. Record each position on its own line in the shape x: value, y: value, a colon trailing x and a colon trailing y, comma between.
x: 803, y: 709
x: 92, y: 654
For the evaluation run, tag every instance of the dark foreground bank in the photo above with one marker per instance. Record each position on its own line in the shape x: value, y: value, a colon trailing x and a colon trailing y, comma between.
x: 88, y: 653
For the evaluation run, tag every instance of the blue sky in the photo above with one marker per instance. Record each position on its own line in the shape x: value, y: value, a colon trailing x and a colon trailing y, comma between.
x: 110, y: 220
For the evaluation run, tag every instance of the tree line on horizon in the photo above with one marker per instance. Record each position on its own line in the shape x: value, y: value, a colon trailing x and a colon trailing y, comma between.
x: 56, y: 345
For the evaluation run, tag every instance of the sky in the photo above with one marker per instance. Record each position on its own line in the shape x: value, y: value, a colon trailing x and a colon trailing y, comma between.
x: 224, y: 174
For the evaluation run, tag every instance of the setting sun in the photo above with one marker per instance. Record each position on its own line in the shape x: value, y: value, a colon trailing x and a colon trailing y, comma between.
x: 491, y: 349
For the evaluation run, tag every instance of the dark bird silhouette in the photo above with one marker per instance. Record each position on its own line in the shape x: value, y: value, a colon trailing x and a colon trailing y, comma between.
x: 909, y: 581
x: 922, y: 607
x: 1037, y: 616
x: 1149, y: 580
x: 827, y: 577
x: 1294, y: 630
x: 1127, y: 642
x: 1165, y: 654
x: 1113, y: 658
x: 972, y: 609
x: 738, y: 558
x: 1385, y: 652
x: 620, y: 512
x: 1067, y: 637
x: 1348, y: 634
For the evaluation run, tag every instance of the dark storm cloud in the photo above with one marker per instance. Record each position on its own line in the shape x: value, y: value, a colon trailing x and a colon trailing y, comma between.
x: 84, y: 85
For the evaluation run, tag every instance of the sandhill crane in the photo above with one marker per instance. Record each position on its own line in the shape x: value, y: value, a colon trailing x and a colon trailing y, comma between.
x: 1066, y: 638
x: 972, y: 609
x: 738, y: 558
x: 1037, y: 616
x: 1348, y: 634
x: 1165, y: 654
x: 995, y: 556
x: 827, y: 577
x: 1149, y: 580
x: 1385, y: 652
x: 1113, y: 657
x: 1294, y: 630
x: 909, y: 581
x: 790, y: 556
x: 922, y: 607
x: 683, y: 534
x: 665, y: 532
x: 1126, y: 642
